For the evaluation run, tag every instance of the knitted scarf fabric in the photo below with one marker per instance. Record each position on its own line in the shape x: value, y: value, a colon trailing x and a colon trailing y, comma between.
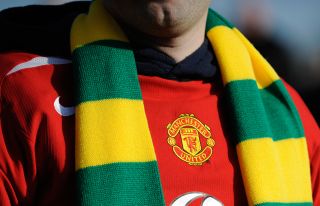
x: 115, y: 158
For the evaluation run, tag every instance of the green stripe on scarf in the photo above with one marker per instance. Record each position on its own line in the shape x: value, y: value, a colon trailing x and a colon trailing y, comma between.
x: 115, y: 158
x: 273, y: 106
x: 94, y: 81
x: 101, y: 186
x: 214, y: 19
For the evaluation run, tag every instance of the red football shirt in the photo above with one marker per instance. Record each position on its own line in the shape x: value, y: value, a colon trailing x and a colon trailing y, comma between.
x: 37, y: 136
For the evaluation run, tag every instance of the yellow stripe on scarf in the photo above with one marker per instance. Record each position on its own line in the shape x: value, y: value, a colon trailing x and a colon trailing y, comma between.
x: 263, y: 171
x: 266, y: 76
x: 242, y: 58
x: 111, y: 132
x: 99, y: 25
x: 236, y: 65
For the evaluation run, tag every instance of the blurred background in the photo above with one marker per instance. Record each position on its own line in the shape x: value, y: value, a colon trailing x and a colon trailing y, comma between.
x: 287, y: 33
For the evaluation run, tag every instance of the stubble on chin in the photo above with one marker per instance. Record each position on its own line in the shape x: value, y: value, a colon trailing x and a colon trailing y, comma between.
x: 162, y: 18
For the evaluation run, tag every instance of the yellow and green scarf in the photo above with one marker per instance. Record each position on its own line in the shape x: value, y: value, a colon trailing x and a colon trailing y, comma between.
x: 115, y: 159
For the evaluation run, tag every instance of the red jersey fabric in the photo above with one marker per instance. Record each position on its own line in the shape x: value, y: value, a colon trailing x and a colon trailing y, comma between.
x: 37, y: 143
x: 165, y: 100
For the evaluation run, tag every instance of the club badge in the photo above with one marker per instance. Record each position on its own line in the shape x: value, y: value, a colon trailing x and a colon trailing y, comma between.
x: 190, y: 139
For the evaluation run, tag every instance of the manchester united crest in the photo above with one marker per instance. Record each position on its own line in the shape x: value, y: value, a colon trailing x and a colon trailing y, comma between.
x: 190, y: 139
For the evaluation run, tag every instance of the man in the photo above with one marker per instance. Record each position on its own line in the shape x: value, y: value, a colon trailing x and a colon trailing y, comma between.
x: 196, y: 125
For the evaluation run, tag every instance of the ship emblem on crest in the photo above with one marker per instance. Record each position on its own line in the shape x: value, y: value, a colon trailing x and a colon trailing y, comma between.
x: 195, y: 145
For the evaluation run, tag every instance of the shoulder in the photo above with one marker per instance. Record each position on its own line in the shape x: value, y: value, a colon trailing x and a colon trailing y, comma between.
x: 17, y: 65
x: 32, y: 131
x: 39, y: 29
x: 30, y: 83
x: 311, y: 128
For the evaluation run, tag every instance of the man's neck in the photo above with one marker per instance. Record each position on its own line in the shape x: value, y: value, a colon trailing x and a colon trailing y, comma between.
x: 178, y: 47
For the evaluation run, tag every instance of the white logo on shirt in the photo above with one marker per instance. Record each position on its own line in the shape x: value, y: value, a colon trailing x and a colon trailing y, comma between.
x: 188, y: 198
x: 63, y: 111
x: 37, y: 62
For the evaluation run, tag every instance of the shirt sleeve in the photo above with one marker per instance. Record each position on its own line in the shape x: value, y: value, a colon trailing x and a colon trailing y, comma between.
x: 312, y: 134
x: 36, y: 142
x: 13, y: 174
x: 16, y: 151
